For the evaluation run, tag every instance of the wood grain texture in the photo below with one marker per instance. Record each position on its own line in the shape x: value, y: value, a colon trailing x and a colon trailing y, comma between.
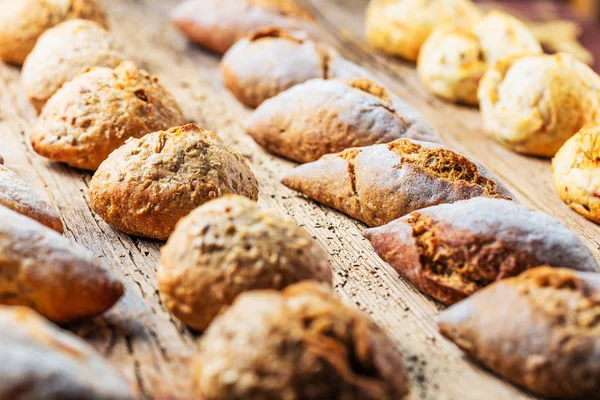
x: 140, y: 337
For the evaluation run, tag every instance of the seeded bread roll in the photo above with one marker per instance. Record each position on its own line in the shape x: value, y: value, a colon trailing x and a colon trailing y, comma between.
x: 540, y: 330
x: 20, y: 197
x: 534, y: 103
x: 400, y: 27
x: 228, y: 246
x: 320, y: 117
x: 377, y: 184
x: 450, y: 251
x: 145, y: 186
x: 301, y: 344
x: 41, y: 361
x: 42, y: 270
x: 217, y: 24
x: 64, y: 51
x: 23, y: 21
x: 576, y: 172
x: 98, y: 111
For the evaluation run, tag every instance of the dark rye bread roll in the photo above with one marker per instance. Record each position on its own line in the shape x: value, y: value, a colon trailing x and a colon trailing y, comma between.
x: 319, y: 117
x: 217, y: 24
x: 540, y: 330
x: 377, y: 184
x: 450, y: 251
x: 271, y: 60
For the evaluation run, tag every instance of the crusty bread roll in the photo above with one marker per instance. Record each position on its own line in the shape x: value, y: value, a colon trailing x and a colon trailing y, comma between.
x: 23, y: 21
x: 400, y: 27
x: 379, y: 183
x: 301, y: 344
x: 217, y: 24
x: 534, y: 103
x: 326, y: 116
x: 540, y: 330
x: 20, y: 197
x: 228, y: 246
x: 98, y: 111
x: 450, y: 251
x: 145, y: 186
x: 63, y: 52
x: 41, y: 269
x: 576, y: 172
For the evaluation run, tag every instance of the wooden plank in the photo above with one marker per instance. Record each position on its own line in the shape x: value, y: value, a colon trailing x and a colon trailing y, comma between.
x: 140, y: 337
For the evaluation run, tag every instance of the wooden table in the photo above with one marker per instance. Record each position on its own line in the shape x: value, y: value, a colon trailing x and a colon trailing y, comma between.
x: 140, y: 337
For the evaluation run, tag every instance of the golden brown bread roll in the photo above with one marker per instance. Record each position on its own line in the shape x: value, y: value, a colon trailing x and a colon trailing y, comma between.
x: 145, y: 186
x: 319, y: 117
x: 41, y: 361
x: 42, y: 270
x: 576, y: 172
x: 450, y: 251
x: 534, y: 103
x: 98, y: 111
x: 540, y: 330
x: 23, y: 21
x: 63, y: 52
x: 228, y: 246
x: 379, y: 183
x: 301, y: 344
x: 400, y: 27
x: 217, y: 24
x: 20, y: 197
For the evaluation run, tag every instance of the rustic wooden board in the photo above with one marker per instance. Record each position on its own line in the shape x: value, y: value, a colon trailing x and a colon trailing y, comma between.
x: 140, y: 337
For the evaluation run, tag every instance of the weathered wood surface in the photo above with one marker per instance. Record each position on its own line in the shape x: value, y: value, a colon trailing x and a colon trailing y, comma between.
x: 140, y: 337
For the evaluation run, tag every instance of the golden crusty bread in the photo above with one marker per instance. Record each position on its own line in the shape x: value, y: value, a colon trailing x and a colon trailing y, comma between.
x: 379, y: 183
x: 41, y: 361
x: 145, y: 186
x: 540, y: 330
x: 534, y: 103
x: 20, y: 197
x: 63, y: 52
x: 217, y: 24
x: 301, y: 343
x: 42, y: 270
x: 400, y: 27
x: 319, y: 117
x: 576, y: 172
x: 23, y: 21
x: 228, y: 246
x: 98, y: 111
x: 450, y: 251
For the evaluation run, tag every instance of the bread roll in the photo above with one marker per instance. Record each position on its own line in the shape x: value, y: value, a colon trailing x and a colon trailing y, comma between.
x: 450, y: 251
x: 63, y: 52
x: 98, y: 111
x: 377, y: 184
x: 301, y: 344
x: 228, y: 246
x: 534, y: 103
x: 540, y: 330
x: 145, y: 186
x: 41, y: 361
x: 576, y: 172
x: 326, y: 116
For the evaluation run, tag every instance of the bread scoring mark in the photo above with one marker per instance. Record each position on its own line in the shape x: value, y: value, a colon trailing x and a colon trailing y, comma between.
x: 350, y: 155
x: 278, y: 33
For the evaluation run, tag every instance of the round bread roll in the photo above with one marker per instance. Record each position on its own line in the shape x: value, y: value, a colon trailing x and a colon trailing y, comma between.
x: 23, y: 21
x: 400, y: 27
x: 145, y: 186
x: 451, y: 64
x: 98, y: 111
x: 63, y: 52
x: 228, y: 246
x: 302, y: 344
x: 576, y: 172
x: 534, y: 103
